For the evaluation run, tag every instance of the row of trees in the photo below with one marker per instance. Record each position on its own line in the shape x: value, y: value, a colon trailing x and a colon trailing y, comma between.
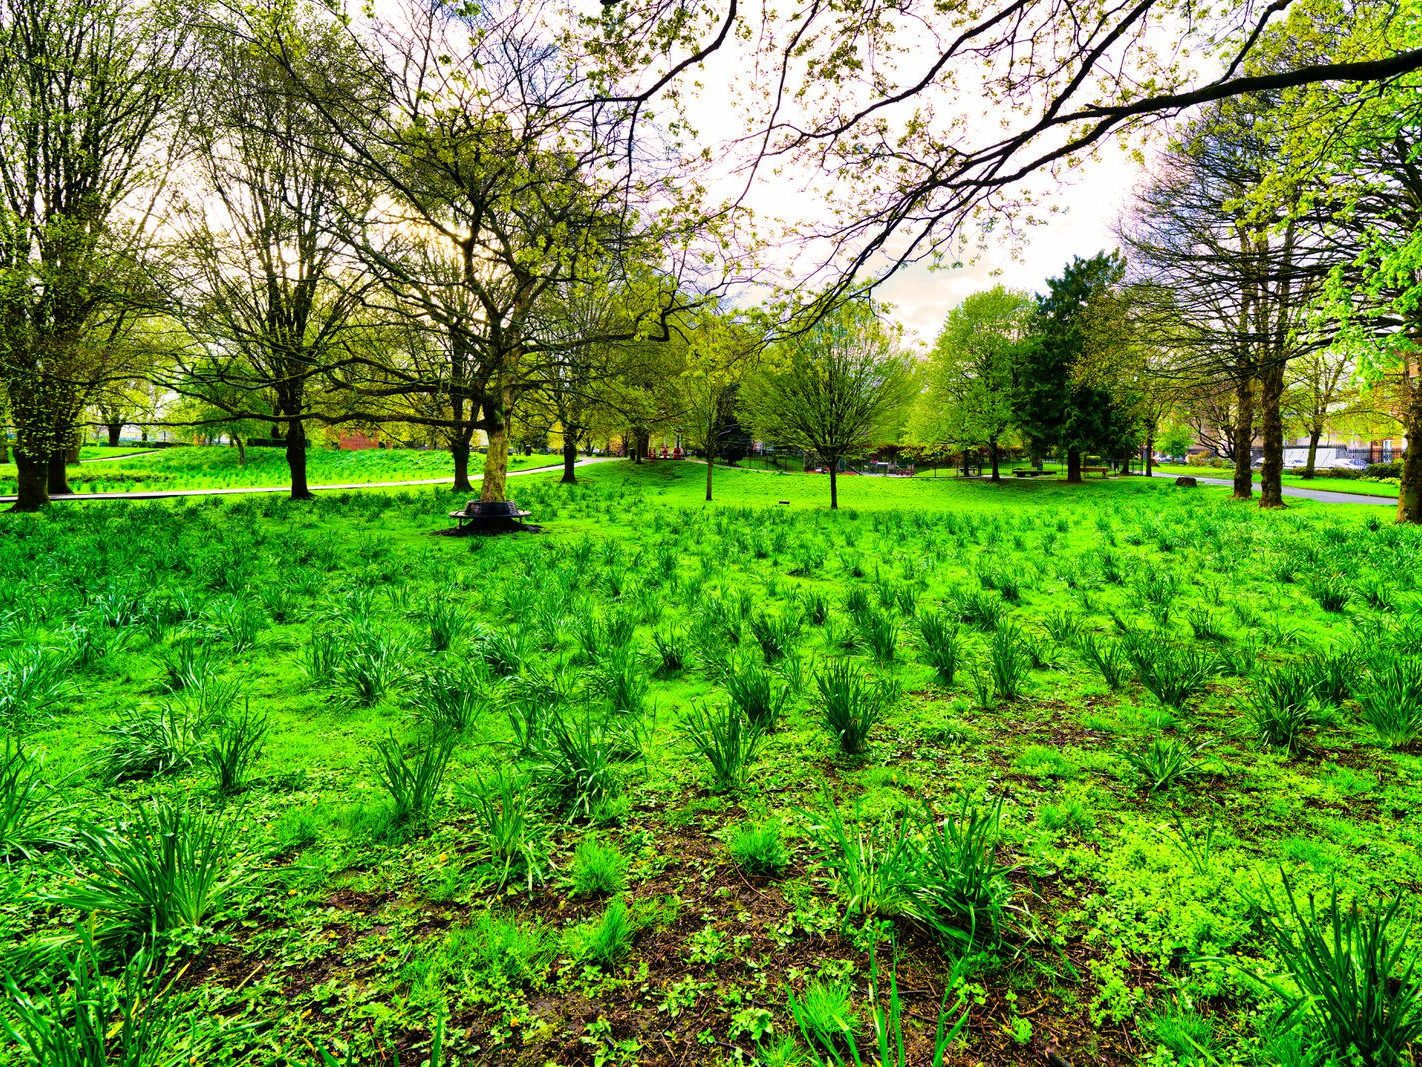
x: 1057, y: 372
x: 286, y: 216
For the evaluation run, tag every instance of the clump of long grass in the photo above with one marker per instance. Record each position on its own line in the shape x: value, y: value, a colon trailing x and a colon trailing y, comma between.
x: 851, y: 704
x: 938, y: 638
x: 412, y: 775
x: 167, y: 869
x: 1357, y: 977
x: 727, y: 740
x: 1390, y: 701
x: 23, y: 793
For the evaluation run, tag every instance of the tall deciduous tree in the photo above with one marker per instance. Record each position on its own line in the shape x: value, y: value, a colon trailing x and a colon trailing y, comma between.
x: 1067, y: 394
x: 969, y: 381
x: 90, y: 91
x: 835, y: 389
x: 268, y: 288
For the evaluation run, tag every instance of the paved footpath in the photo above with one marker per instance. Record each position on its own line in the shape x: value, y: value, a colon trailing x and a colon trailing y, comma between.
x: 164, y: 494
x: 1324, y: 496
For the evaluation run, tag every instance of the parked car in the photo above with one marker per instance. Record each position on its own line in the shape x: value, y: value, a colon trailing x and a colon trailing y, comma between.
x: 1341, y: 463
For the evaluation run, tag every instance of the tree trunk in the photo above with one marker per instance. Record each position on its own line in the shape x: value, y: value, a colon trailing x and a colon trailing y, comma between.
x: 710, y: 465
x: 32, y: 478
x: 992, y: 448
x: 1150, y: 454
x: 1073, y: 466
x: 1271, y: 429
x: 496, y: 461
x: 1244, y: 440
x: 459, y: 450
x: 296, y: 460
x: 1409, y: 486
x: 58, y: 474
x: 834, y: 485
x: 570, y: 459
x: 1315, y: 434
x: 4, y: 445
x: 644, y: 445
x: 241, y: 450
x: 115, y: 432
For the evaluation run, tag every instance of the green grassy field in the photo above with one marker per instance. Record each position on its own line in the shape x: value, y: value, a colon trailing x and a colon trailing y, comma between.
x: 1066, y: 767
x: 212, y: 467
x: 1384, y: 487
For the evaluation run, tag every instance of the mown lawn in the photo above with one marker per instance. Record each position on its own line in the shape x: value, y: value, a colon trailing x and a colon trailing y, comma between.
x: 217, y: 467
x: 1380, y: 487
x: 1109, y: 732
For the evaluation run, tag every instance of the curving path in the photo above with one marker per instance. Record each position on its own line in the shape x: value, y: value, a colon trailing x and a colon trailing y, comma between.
x: 1324, y: 496
x: 164, y: 494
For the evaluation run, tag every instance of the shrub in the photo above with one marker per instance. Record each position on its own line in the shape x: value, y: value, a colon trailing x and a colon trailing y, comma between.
x: 1164, y: 762
x: 939, y: 637
x: 1356, y: 975
x: 23, y: 789
x: 727, y: 740
x: 851, y: 705
x: 598, y: 869
x: 166, y: 870
x: 509, y: 831
x: 235, y: 747
x: 752, y: 689
x: 1390, y: 701
x: 412, y: 775
x: 606, y: 942
x: 758, y: 848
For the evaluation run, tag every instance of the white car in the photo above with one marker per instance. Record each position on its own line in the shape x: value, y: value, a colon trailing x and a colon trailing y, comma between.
x: 1342, y: 463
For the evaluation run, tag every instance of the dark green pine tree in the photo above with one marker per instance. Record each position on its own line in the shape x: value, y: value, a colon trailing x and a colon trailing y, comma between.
x: 1056, y: 405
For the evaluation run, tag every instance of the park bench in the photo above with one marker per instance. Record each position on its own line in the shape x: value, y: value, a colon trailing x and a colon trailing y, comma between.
x: 489, y: 514
x: 1029, y: 472
x: 1103, y: 471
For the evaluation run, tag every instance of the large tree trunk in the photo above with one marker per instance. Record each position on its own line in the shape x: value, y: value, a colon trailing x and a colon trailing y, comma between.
x: 834, y: 485
x: 1271, y: 429
x: 570, y: 459
x: 459, y: 450
x: 4, y: 445
x: 710, y: 465
x: 296, y: 459
x: 1314, y: 436
x: 496, y: 461
x: 1073, y: 466
x: 1409, y: 486
x: 992, y: 449
x: 644, y: 445
x: 1150, y: 454
x: 32, y: 478
x: 1243, y: 435
x: 58, y: 473
x: 115, y: 432
x: 241, y: 450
